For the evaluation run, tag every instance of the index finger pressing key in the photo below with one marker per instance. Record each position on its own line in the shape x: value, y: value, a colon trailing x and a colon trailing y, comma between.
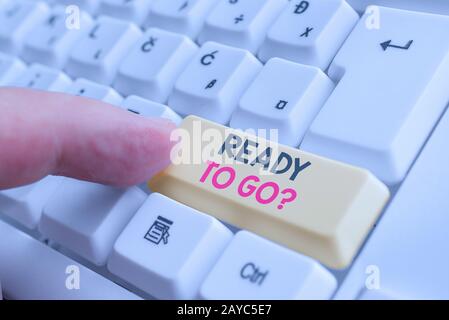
x: 313, y: 205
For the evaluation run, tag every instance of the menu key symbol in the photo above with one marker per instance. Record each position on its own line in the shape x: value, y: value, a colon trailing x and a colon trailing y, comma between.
x: 159, y: 231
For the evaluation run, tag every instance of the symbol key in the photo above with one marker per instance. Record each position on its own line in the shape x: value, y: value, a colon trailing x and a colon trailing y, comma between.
x: 309, y: 32
x: 242, y: 24
x: 17, y: 19
x: 213, y: 82
x: 152, y: 66
x: 391, y: 92
x: 98, y: 54
x: 254, y: 268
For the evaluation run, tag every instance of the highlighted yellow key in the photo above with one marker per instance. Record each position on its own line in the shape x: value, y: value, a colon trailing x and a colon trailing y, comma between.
x: 317, y: 206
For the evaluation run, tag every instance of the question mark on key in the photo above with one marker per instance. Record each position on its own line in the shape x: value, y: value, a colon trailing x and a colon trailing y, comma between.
x: 292, y: 197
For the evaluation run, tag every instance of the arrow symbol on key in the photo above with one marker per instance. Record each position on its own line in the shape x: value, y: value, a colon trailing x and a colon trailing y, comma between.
x: 387, y: 44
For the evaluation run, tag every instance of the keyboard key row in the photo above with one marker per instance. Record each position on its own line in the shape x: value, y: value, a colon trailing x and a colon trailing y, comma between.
x: 254, y: 268
x: 31, y: 270
x: 220, y: 79
x: 51, y: 41
x: 17, y: 19
x: 213, y: 82
x: 154, y: 63
x: 98, y: 54
x: 48, y: 35
x: 13, y: 72
x: 391, y: 91
x: 168, y: 250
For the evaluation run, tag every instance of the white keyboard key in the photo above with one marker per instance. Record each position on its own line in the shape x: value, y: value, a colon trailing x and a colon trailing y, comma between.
x: 241, y: 23
x: 130, y: 10
x: 90, y: 6
x: 10, y: 69
x: 253, y: 268
x: 309, y: 32
x: 153, y: 65
x: 391, y: 91
x: 25, y: 204
x: 434, y: 6
x: 150, y: 109
x: 17, y: 19
x: 182, y: 16
x: 31, y: 270
x: 98, y: 54
x: 51, y: 40
x: 168, y: 248
x: 93, y: 90
x: 285, y: 96
x: 406, y: 256
x: 213, y: 82
x: 41, y: 77
x: 87, y: 217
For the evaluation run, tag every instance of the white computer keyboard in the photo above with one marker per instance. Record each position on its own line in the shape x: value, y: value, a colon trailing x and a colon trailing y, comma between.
x: 369, y: 90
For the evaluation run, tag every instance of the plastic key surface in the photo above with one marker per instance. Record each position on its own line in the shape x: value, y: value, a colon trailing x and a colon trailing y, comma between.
x: 25, y: 204
x: 405, y: 257
x: 285, y: 96
x: 242, y: 24
x: 254, y: 268
x: 167, y: 249
x: 93, y: 90
x: 182, y: 16
x: 309, y: 32
x: 98, y: 54
x: 392, y: 89
x: 314, y: 205
x: 17, y: 19
x: 31, y: 270
x: 87, y: 217
x: 213, y: 82
x: 52, y: 38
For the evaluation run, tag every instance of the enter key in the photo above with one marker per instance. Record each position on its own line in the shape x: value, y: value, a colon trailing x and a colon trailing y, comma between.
x: 320, y: 207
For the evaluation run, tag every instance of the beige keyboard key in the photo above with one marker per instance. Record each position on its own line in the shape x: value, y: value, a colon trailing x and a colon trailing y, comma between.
x: 313, y: 205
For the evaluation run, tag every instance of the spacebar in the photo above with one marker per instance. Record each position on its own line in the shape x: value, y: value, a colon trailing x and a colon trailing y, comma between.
x: 30, y: 270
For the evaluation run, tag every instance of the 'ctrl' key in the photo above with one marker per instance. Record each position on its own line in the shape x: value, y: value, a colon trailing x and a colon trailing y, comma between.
x: 254, y: 268
x: 313, y: 205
